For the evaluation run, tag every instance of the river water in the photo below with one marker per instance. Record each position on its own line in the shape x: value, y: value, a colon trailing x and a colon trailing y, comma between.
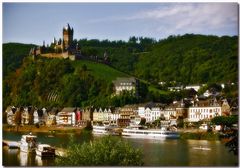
x: 156, y: 152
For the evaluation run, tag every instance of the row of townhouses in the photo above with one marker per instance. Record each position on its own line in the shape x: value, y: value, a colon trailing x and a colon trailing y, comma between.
x: 124, y: 116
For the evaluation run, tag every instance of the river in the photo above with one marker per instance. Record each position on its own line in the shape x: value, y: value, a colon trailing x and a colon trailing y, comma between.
x: 156, y: 152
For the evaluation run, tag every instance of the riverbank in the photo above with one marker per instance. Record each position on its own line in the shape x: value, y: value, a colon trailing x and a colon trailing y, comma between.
x: 197, y: 134
x: 46, y: 129
x: 184, y: 133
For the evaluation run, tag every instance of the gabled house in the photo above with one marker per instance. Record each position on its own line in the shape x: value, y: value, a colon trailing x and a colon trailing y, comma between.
x: 11, y: 115
x: 107, y: 114
x: 100, y: 114
x: 66, y: 116
x: 204, y: 110
x: 87, y: 114
x: 95, y: 115
x: 127, y: 113
x: 35, y: 116
x: 51, y: 119
x: 44, y: 115
x: 181, y: 109
x: 225, y: 108
x: 78, y: 115
x: 25, y: 116
x: 41, y: 119
x: 169, y: 112
x: 114, y: 116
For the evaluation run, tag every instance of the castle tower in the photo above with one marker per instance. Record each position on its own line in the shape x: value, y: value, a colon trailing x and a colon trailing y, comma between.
x: 67, y: 37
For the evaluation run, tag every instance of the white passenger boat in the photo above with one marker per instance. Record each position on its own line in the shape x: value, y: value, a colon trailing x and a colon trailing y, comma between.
x: 105, y: 130
x: 149, y: 133
x: 100, y: 130
x: 45, y: 150
x: 28, y: 143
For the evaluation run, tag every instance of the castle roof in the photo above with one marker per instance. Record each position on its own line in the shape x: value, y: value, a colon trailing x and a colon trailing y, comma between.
x: 68, y: 28
x: 121, y: 81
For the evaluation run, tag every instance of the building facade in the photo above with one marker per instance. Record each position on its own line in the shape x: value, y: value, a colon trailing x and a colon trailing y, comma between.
x: 204, y: 110
x: 125, y: 84
x: 66, y: 116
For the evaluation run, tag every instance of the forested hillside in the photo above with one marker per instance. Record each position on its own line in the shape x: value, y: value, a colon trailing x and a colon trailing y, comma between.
x: 187, y: 59
x: 59, y: 82
x: 13, y: 54
x: 191, y: 59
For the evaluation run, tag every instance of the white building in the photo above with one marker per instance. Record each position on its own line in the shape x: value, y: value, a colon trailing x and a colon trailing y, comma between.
x: 169, y: 112
x: 141, y: 112
x: 204, y: 110
x: 195, y: 87
x: 125, y: 84
x: 10, y: 115
x: 35, y: 117
x: 95, y: 115
x: 25, y: 116
x: 156, y: 112
x: 175, y: 88
x: 114, y: 117
x: 107, y: 114
x: 150, y: 112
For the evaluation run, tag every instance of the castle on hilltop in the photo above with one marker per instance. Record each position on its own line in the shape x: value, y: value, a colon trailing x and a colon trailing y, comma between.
x: 65, y: 47
x: 66, y: 42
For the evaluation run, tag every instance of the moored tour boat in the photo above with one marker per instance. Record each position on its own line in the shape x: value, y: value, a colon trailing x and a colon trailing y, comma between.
x: 105, y: 130
x: 45, y: 150
x: 100, y: 130
x: 28, y: 143
x: 139, y: 132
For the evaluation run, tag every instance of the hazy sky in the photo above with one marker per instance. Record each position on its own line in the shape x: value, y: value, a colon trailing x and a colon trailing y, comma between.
x: 35, y: 22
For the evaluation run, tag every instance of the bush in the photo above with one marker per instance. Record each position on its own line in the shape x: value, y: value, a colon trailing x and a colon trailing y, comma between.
x: 106, y: 151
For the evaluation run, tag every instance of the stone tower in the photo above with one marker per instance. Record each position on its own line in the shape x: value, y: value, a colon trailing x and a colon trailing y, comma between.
x: 67, y: 37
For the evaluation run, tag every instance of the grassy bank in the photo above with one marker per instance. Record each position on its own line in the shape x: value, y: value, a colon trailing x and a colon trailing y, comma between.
x: 51, y: 129
x: 212, y: 136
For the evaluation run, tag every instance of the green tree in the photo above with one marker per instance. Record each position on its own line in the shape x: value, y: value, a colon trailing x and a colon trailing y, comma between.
x: 106, y: 151
x: 225, y: 120
x: 233, y: 143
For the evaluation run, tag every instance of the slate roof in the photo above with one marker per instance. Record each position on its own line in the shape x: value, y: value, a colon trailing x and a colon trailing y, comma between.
x: 68, y: 109
x: 119, y: 81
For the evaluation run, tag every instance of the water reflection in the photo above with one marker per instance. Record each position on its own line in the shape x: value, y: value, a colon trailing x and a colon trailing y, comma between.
x: 156, y: 152
x: 10, y: 156
x: 23, y: 157
x: 39, y: 160
x: 15, y: 157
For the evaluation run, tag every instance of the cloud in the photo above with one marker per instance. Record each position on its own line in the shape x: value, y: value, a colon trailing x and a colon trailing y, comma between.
x: 177, y: 18
x: 194, y: 17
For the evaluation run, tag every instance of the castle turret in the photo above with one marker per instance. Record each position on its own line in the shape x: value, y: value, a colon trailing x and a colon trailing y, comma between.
x: 67, y: 36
